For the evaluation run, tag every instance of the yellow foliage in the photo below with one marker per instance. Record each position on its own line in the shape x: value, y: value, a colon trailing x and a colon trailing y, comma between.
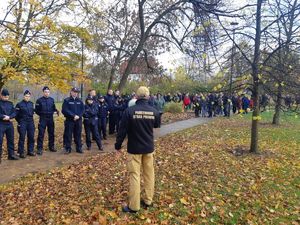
x: 38, y: 64
x: 37, y: 59
x: 256, y: 118
x: 180, y: 74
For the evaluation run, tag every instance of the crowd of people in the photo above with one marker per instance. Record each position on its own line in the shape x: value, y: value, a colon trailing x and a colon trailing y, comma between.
x: 213, y: 104
x: 94, y: 114
x: 219, y: 104
x: 97, y: 112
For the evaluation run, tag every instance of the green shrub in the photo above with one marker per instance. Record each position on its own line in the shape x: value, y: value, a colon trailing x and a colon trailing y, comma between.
x: 173, y: 107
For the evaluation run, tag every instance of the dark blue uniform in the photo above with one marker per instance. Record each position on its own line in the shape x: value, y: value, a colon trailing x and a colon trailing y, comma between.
x: 70, y: 108
x: 226, y: 105
x: 110, y: 100
x: 90, y: 122
x: 24, y: 117
x: 118, y: 109
x: 210, y: 105
x: 45, y: 108
x: 102, y: 118
x: 6, y: 127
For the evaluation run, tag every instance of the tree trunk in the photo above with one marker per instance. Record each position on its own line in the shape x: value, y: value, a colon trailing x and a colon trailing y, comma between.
x: 114, y: 68
x: 2, y: 82
x: 112, y: 77
x: 276, y: 117
x: 255, y: 71
x: 255, y: 119
x: 130, y: 65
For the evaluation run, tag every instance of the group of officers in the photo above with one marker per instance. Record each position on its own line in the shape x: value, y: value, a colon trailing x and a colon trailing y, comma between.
x: 93, y: 114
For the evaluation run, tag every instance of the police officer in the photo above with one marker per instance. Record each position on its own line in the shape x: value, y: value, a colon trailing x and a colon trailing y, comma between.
x: 118, y: 109
x: 90, y: 122
x: 7, y: 113
x: 102, y: 116
x: 73, y: 109
x: 45, y: 108
x: 92, y: 93
x: 25, y: 111
x: 110, y: 100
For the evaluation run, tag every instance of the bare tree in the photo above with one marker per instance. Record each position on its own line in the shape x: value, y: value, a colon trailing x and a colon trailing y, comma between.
x: 162, y: 20
x: 283, y: 65
x: 252, y: 31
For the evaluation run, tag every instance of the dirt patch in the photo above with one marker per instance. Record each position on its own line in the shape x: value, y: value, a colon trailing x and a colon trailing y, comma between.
x: 240, y: 151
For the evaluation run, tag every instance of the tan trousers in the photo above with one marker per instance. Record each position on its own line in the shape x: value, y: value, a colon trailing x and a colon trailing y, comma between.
x: 134, y: 165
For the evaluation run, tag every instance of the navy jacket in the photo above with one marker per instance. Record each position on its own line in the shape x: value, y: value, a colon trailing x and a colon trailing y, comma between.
x: 6, y: 108
x: 72, y: 107
x: 24, y: 111
x: 225, y: 99
x: 118, y: 109
x: 138, y: 122
x: 103, y: 110
x: 245, y: 102
x: 90, y: 113
x: 45, y: 106
x: 110, y: 99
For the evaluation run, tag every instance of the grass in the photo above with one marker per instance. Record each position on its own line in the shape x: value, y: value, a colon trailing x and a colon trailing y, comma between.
x: 285, y: 117
x: 288, y: 130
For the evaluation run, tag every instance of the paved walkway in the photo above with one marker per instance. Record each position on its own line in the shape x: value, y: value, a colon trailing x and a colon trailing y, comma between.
x: 11, y: 170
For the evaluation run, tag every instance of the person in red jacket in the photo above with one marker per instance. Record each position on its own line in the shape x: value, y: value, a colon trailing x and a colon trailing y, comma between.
x: 186, y: 102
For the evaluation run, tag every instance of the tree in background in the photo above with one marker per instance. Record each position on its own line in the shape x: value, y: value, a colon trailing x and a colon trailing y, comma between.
x: 172, y: 21
x: 36, y: 47
x: 257, y: 33
x: 281, y: 71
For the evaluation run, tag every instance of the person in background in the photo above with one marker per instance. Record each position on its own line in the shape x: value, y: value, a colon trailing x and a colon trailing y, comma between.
x: 90, y: 121
x: 245, y: 103
x: 197, y: 105
x: 234, y: 100
x: 132, y: 100
x: 203, y: 105
x: 151, y: 100
x: 159, y: 104
x: 119, y: 108
x: 93, y: 94
x: 186, y: 102
x: 110, y: 100
x: 168, y: 98
x: 73, y: 109
x: 45, y: 108
x: 102, y: 116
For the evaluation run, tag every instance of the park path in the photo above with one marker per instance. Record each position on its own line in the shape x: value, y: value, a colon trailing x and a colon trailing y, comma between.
x: 11, y: 170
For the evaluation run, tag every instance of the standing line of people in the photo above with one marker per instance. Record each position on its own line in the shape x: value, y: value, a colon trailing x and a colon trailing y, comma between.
x: 94, y: 114
x: 23, y: 114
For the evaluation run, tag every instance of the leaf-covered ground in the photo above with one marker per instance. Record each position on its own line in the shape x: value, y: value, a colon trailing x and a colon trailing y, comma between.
x: 199, y: 180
